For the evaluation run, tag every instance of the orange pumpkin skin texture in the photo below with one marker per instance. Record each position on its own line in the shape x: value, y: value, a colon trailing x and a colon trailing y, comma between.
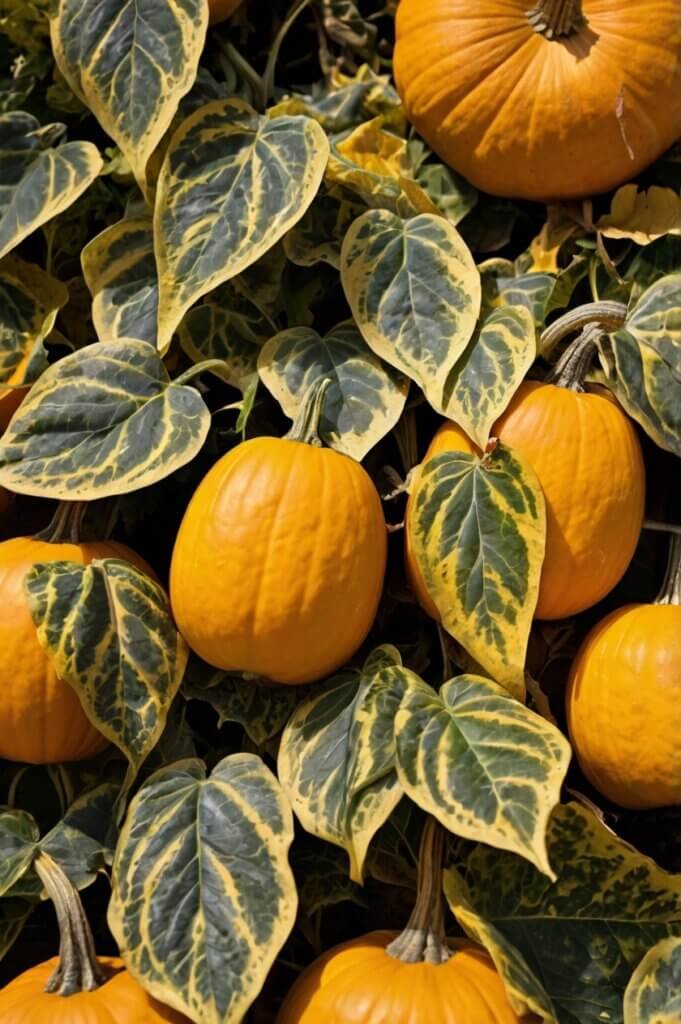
x: 359, y: 983
x: 624, y: 706
x: 525, y: 117
x: 279, y: 562
x: 41, y: 719
x: 222, y: 9
x: 120, y: 1000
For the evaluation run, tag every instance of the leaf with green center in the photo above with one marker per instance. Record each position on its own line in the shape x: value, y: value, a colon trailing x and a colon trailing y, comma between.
x: 364, y: 400
x: 131, y: 63
x: 250, y: 177
x: 479, y: 531
x: 38, y: 182
x: 414, y: 291
x: 337, y: 755
x: 108, y: 631
x: 600, y: 916
x: 19, y: 837
x: 30, y: 300
x: 540, y: 293
x: 653, y: 996
x: 104, y: 420
x: 203, y: 896
x: 489, y: 372
x: 120, y: 270
x: 642, y: 362
x: 483, y: 764
x: 654, y: 261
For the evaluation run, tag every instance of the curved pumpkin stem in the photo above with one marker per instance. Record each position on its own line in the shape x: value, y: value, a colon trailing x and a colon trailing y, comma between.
x: 423, y: 940
x: 556, y: 19
x: 306, y: 424
x: 78, y: 969
x: 671, y: 588
x: 571, y: 368
x: 609, y: 316
x: 65, y: 524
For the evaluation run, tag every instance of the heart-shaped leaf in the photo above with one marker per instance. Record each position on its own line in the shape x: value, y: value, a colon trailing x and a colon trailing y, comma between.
x: 653, y: 995
x: 203, y: 896
x: 104, y: 420
x: 30, y: 300
x: 251, y: 177
x: 364, y: 400
x: 19, y: 836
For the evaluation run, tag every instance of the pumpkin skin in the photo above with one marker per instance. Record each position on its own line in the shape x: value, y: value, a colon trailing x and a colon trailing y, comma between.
x: 359, y: 983
x: 588, y: 459
x: 41, y: 719
x: 219, y: 10
x: 624, y: 706
x: 521, y: 116
x: 279, y: 562
x: 120, y: 1000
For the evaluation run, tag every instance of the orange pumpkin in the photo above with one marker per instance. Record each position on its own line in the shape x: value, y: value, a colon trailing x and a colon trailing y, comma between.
x: 588, y: 459
x: 542, y: 99
x: 279, y: 562
x: 222, y: 9
x: 41, y: 719
x: 624, y: 703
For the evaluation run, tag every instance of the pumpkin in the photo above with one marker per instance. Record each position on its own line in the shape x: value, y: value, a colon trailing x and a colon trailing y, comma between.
x: 41, y: 718
x: 624, y: 701
x: 279, y: 561
x: 542, y: 99
x: 219, y: 10
x: 588, y: 459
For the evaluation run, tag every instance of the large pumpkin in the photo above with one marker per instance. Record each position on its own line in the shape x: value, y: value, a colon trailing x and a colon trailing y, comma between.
x: 41, y: 719
x: 542, y: 99
x: 279, y: 562
x: 588, y: 459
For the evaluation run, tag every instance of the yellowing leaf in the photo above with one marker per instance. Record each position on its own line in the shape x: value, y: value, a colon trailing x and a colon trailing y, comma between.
x: 545, y: 248
x: 653, y: 995
x: 642, y: 216
x: 373, y: 149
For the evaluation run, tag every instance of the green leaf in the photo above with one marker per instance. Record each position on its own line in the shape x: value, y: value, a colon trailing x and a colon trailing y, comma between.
x: 108, y: 631
x: 120, y: 270
x: 653, y: 996
x: 487, y: 375
x: 481, y: 763
x: 364, y: 400
x: 19, y: 836
x: 479, y: 535
x: 38, y: 182
x: 540, y: 293
x: 451, y: 193
x: 322, y: 880
x: 30, y: 300
x: 13, y: 916
x: 642, y: 362
x: 318, y: 235
x: 131, y: 64
x: 104, y: 420
x: 654, y: 261
x: 582, y: 934
x: 250, y: 177
x: 414, y: 291
x: 337, y: 755
x: 203, y: 896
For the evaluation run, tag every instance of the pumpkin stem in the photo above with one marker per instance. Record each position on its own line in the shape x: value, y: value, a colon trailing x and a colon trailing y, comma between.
x: 570, y: 369
x: 671, y: 588
x: 306, y: 424
x: 606, y: 315
x: 556, y: 19
x: 78, y: 969
x: 423, y: 940
x: 65, y: 524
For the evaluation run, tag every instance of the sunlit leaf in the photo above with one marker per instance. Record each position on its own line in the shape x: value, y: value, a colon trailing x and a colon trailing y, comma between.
x: 653, y: 995
x: 642, y: 216
x: 30, y: 300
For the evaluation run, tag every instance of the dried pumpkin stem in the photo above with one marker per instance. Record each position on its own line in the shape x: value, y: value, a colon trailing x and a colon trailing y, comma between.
x: 571, y: 368
x: 671, y: 588
x: 306, y: 424
x: 78, y: 969
x: 423, y: 940
x: 608, y: 316
x: 556, y: 19
x: 65, y: 524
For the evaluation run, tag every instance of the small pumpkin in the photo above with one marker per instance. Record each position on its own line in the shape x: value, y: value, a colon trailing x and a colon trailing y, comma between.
x: 220, y: 10
x: 41, y: 718
x: 624, y: 700
x: 542, y: 99
x: 279, y: 561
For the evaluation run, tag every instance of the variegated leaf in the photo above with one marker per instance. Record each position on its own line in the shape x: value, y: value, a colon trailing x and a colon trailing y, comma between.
x: 414, y: 291
x: 642, y: 362
x: 346, y: 102
x: 38, y: 182
x: 479, y: 536
x: 451, y: 193
x: 606, y: 907
x: 371, y: 165
x: 120, y: 270
x: 364, y: 400
x: 540, y: 293
x: 19, y: 836
x: 104, y: 420
x: 231, y: 328
x: 337, y: 755
x: 487, y: 375
x: 131, y: 63
x: 653, y: 996
x: 250, y: 177
x: 659, y: 259
x: 318, y: 235
x: 108, y: 631
x: 482, y: 763
x: 30, y: 300
x: 203, y: 896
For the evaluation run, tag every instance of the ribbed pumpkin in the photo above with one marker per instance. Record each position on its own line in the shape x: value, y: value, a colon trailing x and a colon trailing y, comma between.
x: 588, y: 459
x: 624, y: 701
x: 542, y: 99
x: 41, y: 719
x: 278, y: 564
x: 222, y: 9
